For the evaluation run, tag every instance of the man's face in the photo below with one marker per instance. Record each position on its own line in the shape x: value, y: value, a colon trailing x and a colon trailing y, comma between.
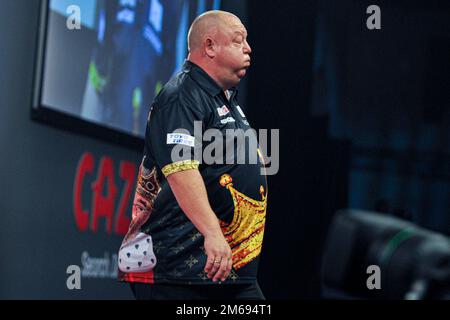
x: 233, y: 57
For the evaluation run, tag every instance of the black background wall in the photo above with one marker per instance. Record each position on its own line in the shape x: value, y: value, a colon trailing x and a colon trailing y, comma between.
x: 313, y: 177
x: 364, y: 118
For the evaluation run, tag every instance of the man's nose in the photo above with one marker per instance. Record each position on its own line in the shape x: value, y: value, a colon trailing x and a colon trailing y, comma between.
x: 247, y: 48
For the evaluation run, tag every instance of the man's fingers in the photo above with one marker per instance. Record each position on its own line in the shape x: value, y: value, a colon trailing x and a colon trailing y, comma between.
x: 218, y: 254
x: 212, y: 265
x: 216, y: 265
x: 209, y: 264
x: 229, y: 267
x: 223, y: 272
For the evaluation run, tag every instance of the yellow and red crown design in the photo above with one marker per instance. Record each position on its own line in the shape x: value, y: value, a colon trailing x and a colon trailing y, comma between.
x: 246, y: 231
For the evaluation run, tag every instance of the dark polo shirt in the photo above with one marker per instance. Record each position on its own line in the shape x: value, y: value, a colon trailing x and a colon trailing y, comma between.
x: 236, y: 186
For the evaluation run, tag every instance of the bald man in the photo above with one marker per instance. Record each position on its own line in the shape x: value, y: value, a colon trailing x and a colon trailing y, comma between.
x: 197, y: 228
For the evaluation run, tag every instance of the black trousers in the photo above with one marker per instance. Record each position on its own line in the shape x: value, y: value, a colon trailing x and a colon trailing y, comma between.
x: 143, y: 291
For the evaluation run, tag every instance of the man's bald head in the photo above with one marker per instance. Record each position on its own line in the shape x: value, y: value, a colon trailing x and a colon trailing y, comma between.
x: 218, y: 44
x: 208, y: 24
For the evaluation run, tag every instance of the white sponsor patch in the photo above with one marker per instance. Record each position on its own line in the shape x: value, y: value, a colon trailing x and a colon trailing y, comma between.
x: 240, y: 111
x: 229, y: 119
x: 180, y: 138
x: 222, y: 111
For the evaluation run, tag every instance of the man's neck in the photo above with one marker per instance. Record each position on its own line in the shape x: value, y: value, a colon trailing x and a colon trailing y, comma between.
x: 208, y: 68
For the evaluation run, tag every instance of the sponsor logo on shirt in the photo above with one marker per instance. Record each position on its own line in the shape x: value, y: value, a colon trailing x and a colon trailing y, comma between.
x: 229, y: 119
x: 222, y: 111
x: 180, y: 138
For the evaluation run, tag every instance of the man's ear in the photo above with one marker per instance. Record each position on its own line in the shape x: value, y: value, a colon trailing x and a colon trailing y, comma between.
x: 210, y: 47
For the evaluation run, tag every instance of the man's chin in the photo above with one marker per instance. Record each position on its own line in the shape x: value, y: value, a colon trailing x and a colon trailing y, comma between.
x: 241, y: 73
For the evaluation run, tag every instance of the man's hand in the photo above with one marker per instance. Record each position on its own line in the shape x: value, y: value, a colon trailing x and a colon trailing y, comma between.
x: 219, y: 259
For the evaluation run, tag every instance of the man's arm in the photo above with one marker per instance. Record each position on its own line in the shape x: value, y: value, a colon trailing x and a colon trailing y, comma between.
x: 190, y: 192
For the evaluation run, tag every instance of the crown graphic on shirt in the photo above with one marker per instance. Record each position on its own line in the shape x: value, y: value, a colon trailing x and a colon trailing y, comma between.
x: 246, y: 231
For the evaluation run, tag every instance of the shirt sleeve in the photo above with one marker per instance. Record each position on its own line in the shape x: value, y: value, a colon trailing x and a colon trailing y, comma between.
x: 173, y: 135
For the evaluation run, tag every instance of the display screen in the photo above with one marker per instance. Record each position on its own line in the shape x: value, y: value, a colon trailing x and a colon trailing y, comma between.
x: 103, y: 61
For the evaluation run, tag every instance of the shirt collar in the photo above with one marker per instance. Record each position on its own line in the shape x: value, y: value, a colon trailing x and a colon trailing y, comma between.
x: 204, y: 80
